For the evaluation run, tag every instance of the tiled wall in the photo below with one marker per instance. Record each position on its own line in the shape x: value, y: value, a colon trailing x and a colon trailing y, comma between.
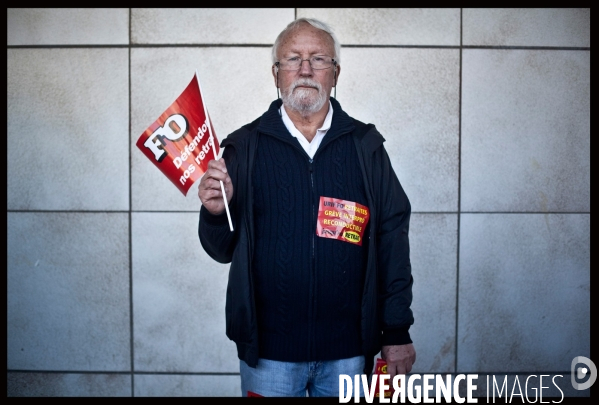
x: 486, y: 113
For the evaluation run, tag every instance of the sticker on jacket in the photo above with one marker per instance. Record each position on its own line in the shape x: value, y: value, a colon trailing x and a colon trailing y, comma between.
x: 342, y: 220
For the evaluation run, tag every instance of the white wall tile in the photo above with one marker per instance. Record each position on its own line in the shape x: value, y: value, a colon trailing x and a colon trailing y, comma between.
x: 148, y: 385
x: 208, y: 25
x: 237, y: 85
x: 178, y: 298
x: 524, y: 292
x: 68, y: 128
x: 412, y: 96
x: 68, y: 292
x: 525, y: 130
x: 390, y: 26
x: 433, y: 244
x: 67, y: 385
x: 67, y: 26
x: 560, y: 27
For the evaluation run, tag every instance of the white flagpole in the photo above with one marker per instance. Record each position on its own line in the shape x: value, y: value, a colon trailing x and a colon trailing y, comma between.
x: 222, y: 186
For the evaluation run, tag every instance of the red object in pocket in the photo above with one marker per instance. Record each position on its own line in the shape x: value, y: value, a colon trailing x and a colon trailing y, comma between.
x: 253, y: 394
x: 381, y: 368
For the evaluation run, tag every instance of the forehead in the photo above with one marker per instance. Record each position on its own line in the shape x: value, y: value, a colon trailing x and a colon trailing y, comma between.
x: 306, y: 39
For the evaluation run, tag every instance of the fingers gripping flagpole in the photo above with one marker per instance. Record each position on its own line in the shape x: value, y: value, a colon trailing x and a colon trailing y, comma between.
x: 222, y: 186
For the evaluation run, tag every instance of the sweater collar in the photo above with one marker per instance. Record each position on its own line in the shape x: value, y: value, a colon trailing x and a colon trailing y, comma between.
x: 271, y: 122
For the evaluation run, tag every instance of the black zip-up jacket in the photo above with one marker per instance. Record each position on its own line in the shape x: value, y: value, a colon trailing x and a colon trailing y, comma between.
x: 387, y: 290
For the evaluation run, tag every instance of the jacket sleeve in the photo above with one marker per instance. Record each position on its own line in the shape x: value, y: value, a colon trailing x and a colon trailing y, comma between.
x: 215, y: 236
x: 393, y: 252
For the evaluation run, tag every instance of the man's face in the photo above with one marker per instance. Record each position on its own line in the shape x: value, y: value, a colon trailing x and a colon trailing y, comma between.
x: 306, y: 90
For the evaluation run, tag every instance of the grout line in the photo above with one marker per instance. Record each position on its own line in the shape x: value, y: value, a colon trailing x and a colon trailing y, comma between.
x: 457, y: 284
x: 489, y: 47
x: 225, y: 374
x: 131, y: 337
x: 195, y: 212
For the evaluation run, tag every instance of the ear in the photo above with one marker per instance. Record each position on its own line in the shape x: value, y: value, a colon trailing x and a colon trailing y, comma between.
x: 336, y: 75
x: 275, y: 71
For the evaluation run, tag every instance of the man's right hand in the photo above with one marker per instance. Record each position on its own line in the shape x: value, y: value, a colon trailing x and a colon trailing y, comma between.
x: 209, y: 189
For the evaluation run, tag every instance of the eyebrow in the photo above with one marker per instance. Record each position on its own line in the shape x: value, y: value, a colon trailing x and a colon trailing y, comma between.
x: 292, y: 54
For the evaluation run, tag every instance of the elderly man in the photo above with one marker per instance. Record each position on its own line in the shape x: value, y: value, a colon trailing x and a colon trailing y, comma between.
x: 320, y: 278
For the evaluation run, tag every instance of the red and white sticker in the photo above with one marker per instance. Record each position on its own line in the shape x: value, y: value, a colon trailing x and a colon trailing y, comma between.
x: 342, y: 220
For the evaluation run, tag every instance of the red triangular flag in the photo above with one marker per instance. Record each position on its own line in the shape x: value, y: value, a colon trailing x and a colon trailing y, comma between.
x: 179, y: 141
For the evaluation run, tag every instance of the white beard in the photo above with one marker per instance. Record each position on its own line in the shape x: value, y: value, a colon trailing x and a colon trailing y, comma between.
x: 305, y: 101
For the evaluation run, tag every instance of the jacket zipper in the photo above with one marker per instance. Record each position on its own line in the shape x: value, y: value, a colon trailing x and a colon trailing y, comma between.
x: 312, y: 264
x: 313, y: 208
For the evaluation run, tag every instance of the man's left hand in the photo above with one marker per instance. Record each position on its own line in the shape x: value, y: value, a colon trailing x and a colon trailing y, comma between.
x: 399, y: 359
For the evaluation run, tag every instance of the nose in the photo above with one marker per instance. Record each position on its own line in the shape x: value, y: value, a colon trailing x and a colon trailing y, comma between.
x: 306, y: 68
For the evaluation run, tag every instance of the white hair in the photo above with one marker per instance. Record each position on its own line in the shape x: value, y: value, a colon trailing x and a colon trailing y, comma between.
x: 316, y: 24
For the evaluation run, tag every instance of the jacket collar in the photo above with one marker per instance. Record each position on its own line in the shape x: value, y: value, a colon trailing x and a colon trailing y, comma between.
x: 271, y: 122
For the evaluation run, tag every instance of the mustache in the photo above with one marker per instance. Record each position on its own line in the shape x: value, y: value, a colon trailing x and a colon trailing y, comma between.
x: 306, y: 83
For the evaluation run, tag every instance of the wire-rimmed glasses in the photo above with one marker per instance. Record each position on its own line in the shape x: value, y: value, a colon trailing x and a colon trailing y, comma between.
x: 317, y: 62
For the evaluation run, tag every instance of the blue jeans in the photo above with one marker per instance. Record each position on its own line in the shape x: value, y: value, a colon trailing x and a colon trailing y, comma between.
x: 283, y: 379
